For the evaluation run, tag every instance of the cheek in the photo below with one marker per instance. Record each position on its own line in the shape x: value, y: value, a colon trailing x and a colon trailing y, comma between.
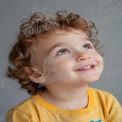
x: 100, y: 59
x: 47, y: 66
x: 97, y: 57
x: 56, y: 71
x: 50, y: 67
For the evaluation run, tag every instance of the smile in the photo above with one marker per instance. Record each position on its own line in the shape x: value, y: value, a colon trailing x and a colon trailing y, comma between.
x: 87, y: 68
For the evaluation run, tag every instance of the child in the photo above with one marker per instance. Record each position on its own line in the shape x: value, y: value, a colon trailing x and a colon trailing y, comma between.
x: 54, y: 59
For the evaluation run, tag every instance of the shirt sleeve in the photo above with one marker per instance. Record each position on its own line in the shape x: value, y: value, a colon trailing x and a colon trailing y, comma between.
x: 114, y: 110
x: 17, y: 116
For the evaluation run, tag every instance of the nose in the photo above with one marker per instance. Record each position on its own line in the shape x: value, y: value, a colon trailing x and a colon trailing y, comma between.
x: 83, y: 56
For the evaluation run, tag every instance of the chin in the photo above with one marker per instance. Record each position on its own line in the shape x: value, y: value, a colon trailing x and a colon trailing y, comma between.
x: 94, y: 79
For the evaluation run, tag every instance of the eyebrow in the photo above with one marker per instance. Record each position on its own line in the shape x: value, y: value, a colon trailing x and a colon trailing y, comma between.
x: 55, y: 46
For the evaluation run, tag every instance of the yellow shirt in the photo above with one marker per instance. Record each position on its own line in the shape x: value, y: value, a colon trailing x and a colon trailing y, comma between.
x: 102, y: 107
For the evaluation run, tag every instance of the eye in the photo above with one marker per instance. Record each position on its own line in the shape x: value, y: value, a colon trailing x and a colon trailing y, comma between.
x: 88, y: 46
x: 63, y: 51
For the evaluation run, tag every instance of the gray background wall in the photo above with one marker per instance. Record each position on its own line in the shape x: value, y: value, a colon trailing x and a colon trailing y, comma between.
x: 107, y: 14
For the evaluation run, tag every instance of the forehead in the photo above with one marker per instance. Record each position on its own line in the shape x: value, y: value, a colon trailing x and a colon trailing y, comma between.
x: 46, y: 41
x: 61, y: 36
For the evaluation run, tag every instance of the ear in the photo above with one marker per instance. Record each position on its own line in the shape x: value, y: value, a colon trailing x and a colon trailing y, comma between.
x: 36, y: 75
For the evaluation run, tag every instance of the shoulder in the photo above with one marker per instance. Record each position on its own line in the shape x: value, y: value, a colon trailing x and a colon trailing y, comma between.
x: 100, y: 93
x: 25, y: 110
x: 24, y: 105
x: 108, y: 102
x: 104, y: 98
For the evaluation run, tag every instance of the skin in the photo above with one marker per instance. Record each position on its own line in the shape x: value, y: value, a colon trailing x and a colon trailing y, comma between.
x: 66, y: 87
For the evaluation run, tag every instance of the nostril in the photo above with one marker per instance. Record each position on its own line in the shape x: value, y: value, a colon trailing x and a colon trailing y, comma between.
x: 83, y: 56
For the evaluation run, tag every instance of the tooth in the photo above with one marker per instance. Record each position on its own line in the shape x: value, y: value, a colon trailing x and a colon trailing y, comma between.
x: 87, y: 67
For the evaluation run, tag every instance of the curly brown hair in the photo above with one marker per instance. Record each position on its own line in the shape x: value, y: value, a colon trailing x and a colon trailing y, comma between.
x: 39, y: 23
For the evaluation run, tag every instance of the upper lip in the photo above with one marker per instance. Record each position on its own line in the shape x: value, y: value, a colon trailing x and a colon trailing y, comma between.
x: 81, y: 67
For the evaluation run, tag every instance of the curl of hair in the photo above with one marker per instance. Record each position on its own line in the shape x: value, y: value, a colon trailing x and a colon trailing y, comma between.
x: 19, y: 57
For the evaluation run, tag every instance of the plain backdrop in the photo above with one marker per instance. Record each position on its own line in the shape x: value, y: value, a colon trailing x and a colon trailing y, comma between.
x: 107, y: 15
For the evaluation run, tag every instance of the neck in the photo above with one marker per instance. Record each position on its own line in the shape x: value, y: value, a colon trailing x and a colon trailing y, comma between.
x: 71, y: 98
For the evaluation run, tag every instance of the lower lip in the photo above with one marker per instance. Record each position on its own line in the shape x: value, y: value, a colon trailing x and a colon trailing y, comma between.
x: 85, y: 70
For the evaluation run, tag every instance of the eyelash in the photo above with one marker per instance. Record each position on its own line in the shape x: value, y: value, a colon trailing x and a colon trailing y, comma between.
x: 88, y: 45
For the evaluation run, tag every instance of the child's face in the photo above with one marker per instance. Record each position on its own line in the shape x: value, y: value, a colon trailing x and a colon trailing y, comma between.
x: 61, y: 55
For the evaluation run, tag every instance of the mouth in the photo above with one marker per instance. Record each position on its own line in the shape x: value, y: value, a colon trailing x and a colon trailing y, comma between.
x: 86, y: 67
